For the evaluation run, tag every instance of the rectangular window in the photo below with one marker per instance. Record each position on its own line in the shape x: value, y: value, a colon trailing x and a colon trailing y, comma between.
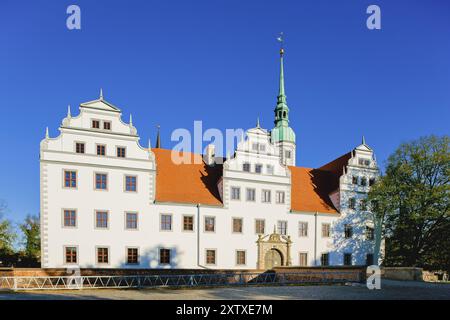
x: 237, y: 225
x: 210, y: 224
x: 235, y: 193
x: 246, y: 167
x: 70, y: 179
x: 352, y: 203
x: 121, y: 152
x: 303, y: 259
x: 371, y: 182
x: 130, y: 183
x: 251, y: 194
x: 369, y: 259
x: 282, y: 227
x: 255, y: 146
x: 210, y: 256
x: 95, y: 124
x: 188, y: 223
x: 164, y: 256
x: 348, y: 231
x: 370, y: 233
x: 269, y: 169
x: 132, y: 256
x: 280, y: 197
x: 325, y: 230
x: 303, y: 229
x: 355, y: 180
x: 101, y: 219
x: 101, y: 181
x: 260, y: 226
x: 107, y: 125
x: 71, y: 254
x: 258, y: 168
x: 166, y: 222
x: 131, y: 220
x: 70, y: 218
x: 347, y: 259
x: 288, y: 154
x: 364, y: 181
x: 240, y: 257
x: 79, y: 147
x: 101, y: 150
x: 102, y: 255
x: 324, y: 259
x: 363, y: 205
x: 262, y: 147
x: 266, y: 196
x: 364, y: 162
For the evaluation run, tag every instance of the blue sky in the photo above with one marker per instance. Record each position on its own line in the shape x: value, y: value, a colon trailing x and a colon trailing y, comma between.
x: 173, y: 62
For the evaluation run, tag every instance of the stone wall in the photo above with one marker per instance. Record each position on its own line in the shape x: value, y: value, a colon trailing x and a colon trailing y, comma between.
x: 402, y: 273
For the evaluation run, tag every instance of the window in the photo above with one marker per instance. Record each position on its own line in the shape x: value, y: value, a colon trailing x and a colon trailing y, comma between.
x: 269, y: 169
x: 101, y: 181
x: 79, y: 147
x: 102, y: 255
x: 325, y: 230
x: 240, y: 257
x: 251, y: 194
x: 164, y: 256
x: 282, y: 227
x: 266, y: 196
x: 324, y: 259
x: 71, y: 254
x: 130, y: 183
x: 370, y: 233
x: 364, y: 181
x: 280, y: 197
x: 364, y: 162
x: 101, y: 150
x: 288, y: 154
x: 348, y: 231
x: 352, y: 203
x: 101, y: 219
x: 132, y: 256
x: 262, y: 147
x: 369, y: 259
x: 131, y: 220
x: 95, y: 124
x: 188, y: 223
x: 70, y: 179
x: 255, y: 146
x: 237, y: 225
x: 258, y: 168
x: 107, y: 125
x: 235, y: 193
x: 166, y: 222
x: 120, y: 152
x: 210, y: 256
x: 371, y: 181
x: 260, y: 226
x: 303, y: 229
x: 347, y: 259
x: 355, y: 180
x: 303, y: 259
x: 70, y: 218
x: 210, y: 224
x: 246, y: 167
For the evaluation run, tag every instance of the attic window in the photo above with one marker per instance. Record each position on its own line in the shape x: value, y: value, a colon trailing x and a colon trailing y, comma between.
x: 364, y: 162
x: 107, y: 125
x: 95, y: 124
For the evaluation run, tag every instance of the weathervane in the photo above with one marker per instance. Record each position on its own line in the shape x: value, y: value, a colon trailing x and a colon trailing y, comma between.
x: 280, y: 39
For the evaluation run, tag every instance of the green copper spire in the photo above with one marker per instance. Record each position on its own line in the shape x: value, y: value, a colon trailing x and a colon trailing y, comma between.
x: 282, y: 131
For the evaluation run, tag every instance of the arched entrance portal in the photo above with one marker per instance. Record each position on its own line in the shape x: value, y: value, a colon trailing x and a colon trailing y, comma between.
x: 273, y: 259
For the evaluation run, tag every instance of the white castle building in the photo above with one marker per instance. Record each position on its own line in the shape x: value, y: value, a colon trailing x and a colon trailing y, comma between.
x: 108, y: 202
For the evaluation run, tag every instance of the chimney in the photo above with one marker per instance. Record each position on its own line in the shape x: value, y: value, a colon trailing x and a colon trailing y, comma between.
x: 210, y: 155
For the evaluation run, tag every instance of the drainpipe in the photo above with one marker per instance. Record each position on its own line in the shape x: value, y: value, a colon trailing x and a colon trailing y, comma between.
x: 198, y: 237
x: 315, y: 238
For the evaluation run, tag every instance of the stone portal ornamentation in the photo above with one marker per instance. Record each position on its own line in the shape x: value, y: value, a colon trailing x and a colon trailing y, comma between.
x: 274, y: 250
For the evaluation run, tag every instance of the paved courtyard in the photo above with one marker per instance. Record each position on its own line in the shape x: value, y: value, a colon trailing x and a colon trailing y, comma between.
x: 390, y: 290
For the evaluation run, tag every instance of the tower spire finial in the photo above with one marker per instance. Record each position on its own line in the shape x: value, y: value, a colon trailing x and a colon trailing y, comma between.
x: 101, y: 94
x: 46, y: 133
x: 158, y: 138
x: 257, y: 123
x: 131, y: 119
x: 363, y: 140
x: 69, y: 115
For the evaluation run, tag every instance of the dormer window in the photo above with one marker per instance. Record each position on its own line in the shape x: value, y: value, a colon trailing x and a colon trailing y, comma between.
x: 107, y: 125
x: 246, y: 167
x: 95, y: 124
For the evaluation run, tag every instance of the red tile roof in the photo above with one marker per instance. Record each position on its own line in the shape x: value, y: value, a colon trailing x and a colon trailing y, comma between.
x: 197, y: 183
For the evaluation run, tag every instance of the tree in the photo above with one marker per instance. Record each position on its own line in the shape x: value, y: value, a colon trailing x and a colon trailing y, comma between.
x: 31, y: 231
x: 7, y: 235
x: 412, y: 199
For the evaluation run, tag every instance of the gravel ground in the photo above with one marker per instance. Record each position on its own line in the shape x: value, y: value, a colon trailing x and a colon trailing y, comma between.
x: 389, y: 290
